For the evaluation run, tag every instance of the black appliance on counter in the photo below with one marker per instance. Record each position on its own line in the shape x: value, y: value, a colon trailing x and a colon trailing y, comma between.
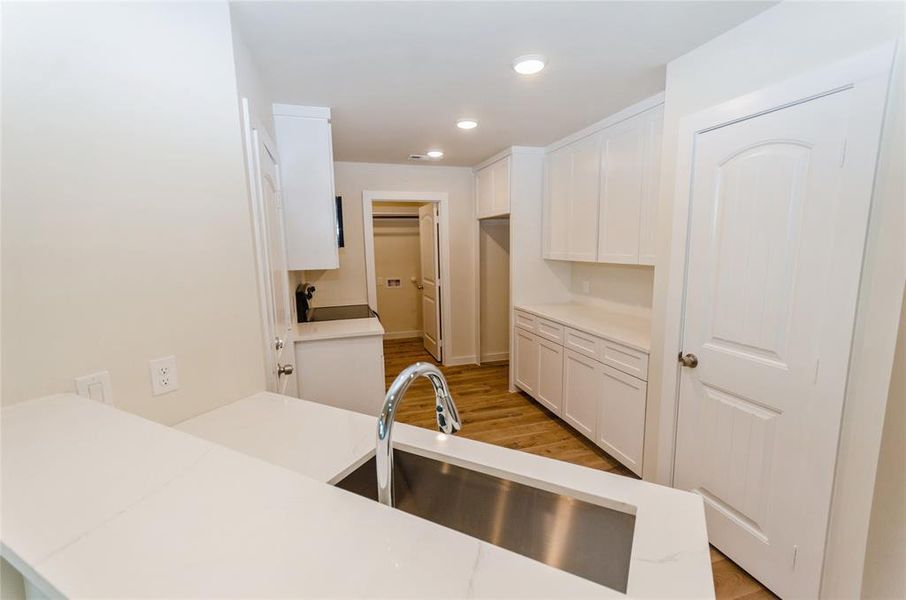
x: 306, y: 314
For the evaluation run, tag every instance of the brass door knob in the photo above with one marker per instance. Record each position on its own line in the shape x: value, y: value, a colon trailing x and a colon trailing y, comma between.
x: 688, y: 360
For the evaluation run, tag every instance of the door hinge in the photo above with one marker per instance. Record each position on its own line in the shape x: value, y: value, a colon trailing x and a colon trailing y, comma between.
x: 795, y: 555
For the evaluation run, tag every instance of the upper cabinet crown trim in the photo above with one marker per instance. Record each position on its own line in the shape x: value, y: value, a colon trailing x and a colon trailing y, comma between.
x: 627, y: 113
x: 310, y: 112
x: 536, y: 150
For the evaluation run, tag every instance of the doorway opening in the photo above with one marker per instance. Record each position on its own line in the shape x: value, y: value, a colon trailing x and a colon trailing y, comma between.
x: 494, y: 290
x: 407, y: 266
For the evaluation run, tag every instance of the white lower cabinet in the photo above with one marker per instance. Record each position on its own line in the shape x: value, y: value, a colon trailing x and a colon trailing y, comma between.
x: 550, y: 375
x: 525, y: 346
x: 582, y: 387
x: 621, y: 417
x: 604, y: 403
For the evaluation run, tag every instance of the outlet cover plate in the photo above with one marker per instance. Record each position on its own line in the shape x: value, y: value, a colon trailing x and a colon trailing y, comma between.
x: 164, y: 378
x: 95, y: 386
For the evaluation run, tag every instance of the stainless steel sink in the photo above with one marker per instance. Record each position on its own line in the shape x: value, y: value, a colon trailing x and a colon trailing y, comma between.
x: 582, y: 538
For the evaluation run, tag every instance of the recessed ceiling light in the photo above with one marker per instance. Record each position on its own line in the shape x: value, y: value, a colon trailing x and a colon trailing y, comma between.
x: 467, y: 123
x: 529, y: 64
x: 435, y: 153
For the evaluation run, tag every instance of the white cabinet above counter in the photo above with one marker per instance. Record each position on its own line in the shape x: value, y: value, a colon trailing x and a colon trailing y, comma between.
x: 304, y: 142
x: 492, y: 188
x: 601, y: 189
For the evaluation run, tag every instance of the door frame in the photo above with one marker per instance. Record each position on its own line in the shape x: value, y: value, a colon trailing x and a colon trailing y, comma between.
x: 442, y: 199
x: 868, y: 75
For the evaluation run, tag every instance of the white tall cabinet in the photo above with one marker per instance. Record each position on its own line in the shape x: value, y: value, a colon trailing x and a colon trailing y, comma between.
x: 601, y: 189
x: 306, y: 169
x: 492, y: 189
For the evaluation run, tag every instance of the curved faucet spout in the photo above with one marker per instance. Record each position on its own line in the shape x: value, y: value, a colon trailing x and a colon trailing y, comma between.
x: 445, y: 412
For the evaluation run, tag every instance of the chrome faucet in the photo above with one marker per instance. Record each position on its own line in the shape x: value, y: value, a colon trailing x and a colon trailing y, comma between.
x: 446, y: 413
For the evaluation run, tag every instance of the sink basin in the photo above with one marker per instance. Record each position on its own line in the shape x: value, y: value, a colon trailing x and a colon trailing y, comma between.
x: 588, y: 540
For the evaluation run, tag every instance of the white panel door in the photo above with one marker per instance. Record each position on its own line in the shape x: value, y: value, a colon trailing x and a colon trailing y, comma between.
x: 621, y: 417
x: 582, y: 386
x: 583, y: 199
x: 651, y: 176
x: 769, y: 316
x: 484, y: 192
x: 558, y: 171
x: 270, y: 247
x: 427, y: 235
x: 622, y: 154
x: 501, y: 172
x: 526, y: 372
x: 550, y: 375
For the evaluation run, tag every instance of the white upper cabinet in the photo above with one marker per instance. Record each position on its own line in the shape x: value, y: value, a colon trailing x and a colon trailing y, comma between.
x: 492, y: 189
x: 583, y: 199
x: 622, y: 157
x: 651, y: 179
x: 306, y: 171
x: 601, y: 190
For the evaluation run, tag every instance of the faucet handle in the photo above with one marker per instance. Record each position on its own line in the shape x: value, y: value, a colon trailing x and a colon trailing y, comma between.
x: 447, y: 416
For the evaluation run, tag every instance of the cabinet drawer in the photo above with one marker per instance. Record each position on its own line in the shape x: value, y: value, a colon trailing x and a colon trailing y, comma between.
x: 524, y: 320
x: 583, y: 343
x: 625, y: 359
x: 549, y: 330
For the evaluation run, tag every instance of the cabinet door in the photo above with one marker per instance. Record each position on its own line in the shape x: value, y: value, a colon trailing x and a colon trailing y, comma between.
x: 651, y: 169
x: 501, y: 172
x: 582, y: 384
x: 621, y: 192
x: 621, y: 417
x: 484, y: 192
x: 309, y: 204
x: 558, y: 181
x: 526, y: 348
x: 583, y: 199
x: 550, y: 375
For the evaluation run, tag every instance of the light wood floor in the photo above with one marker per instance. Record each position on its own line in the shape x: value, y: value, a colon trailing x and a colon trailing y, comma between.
x: 490, y: 413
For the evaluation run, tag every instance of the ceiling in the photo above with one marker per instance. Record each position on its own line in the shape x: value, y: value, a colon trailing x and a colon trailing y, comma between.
x: 397, y: 75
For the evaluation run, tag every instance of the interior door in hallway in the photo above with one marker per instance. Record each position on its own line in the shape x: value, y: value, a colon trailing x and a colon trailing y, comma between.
x: 430, y: 275
x: 769, y: 314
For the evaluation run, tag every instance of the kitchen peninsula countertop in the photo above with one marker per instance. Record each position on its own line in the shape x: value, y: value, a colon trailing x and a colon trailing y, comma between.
x: 98, y: 502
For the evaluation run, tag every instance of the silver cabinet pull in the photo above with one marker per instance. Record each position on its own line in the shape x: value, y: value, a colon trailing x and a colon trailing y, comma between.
x: 688, y: 360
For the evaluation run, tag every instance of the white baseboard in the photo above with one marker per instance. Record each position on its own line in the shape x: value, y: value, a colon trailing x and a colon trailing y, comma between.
x: 455, y: 361
x: 495, y: 357
x: 402, y: 335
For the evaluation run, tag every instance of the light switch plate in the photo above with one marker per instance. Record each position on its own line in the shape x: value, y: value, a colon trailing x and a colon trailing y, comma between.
x: 164, y: 378
x: 95, y: 386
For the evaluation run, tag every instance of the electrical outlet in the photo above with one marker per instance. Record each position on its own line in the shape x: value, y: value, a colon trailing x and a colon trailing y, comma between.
x: 164, y: 377
x: 95, y: 386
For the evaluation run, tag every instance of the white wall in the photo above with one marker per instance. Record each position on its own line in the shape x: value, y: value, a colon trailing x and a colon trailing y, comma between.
x: 346, y: 285
x: 125, y: 227
x: 784, y: 41
x: 250, y: 84
x: 628, y: 287
x: 886, y: 555
x: 397, y: 255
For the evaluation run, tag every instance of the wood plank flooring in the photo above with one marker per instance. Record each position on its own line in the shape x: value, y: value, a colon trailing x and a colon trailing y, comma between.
x: 490, y: 413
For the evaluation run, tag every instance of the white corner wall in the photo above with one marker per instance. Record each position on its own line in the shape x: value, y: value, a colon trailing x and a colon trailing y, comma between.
x: 126, y: 233
x: 346, y: 285
x: 785, y: 41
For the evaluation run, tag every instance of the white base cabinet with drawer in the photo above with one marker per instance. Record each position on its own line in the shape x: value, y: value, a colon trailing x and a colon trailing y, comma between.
x: 597, y: 386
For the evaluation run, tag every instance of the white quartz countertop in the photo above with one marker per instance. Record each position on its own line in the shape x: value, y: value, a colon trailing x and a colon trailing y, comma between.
x: 101, y: 503
x: 621, y: 327
x: 341, y: 328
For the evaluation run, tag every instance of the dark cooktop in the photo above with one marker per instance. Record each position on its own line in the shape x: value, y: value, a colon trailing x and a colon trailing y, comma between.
x: 336, y: 313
